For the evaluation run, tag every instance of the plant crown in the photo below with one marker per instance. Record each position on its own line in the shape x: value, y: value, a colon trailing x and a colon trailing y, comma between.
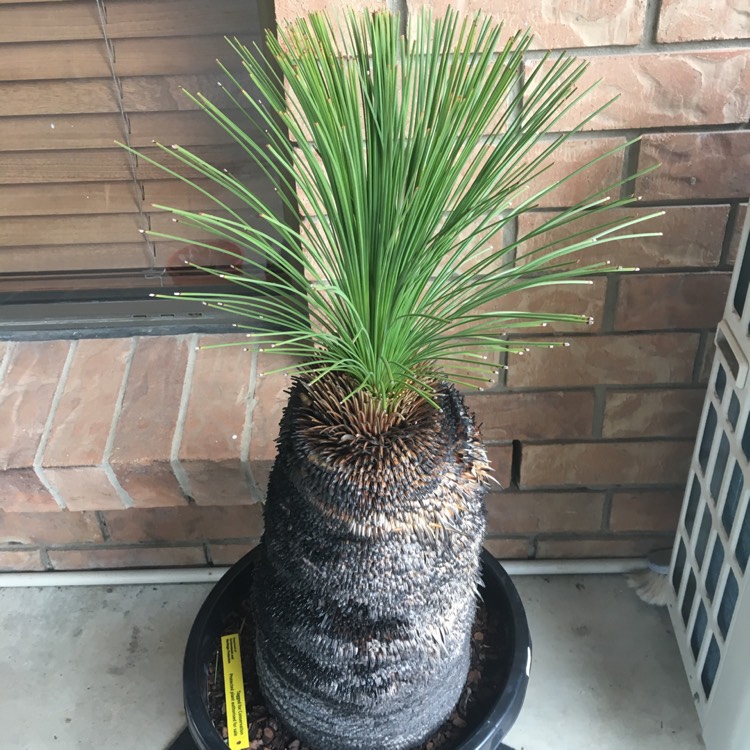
x: 404, y: 162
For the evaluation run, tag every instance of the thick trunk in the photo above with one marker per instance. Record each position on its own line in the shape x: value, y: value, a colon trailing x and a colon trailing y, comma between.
x: 366, y: 589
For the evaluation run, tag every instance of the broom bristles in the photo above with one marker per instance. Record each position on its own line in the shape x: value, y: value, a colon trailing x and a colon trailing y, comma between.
x: 652, y: 587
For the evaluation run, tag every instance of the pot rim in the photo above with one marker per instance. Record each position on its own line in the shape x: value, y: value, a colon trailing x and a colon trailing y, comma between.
x: 495, y: 724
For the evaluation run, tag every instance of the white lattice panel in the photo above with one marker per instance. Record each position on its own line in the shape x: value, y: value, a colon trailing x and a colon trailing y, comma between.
x: 710, y: 575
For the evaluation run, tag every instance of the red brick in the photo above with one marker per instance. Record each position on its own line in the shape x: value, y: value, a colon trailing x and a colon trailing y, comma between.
x: 734, y: 243
x: 84, y: 487
x: 695, y: 165
x: 688, y: 20
x: 579, y: 299
x: 508, y: 549
x: 618, y: 360
x: 126, y: 557
x: 664, y: 89
x: 270, y: 399
x: 191, y: 523
x: 142, y: 447
x: 662, y: 413
x: 217, y: 401
x: 229, y: 554
x: 65, y: 527
x: 212, y: 442
x: 548, y: 415
x: 21, y: 490
x: 602, y: 464
x: 645, y: 511
x: 589, y: 23
x: 290, y: 10
x: 20, y: 560
x: 81, y: 425
x: 533, y: 512
x: 567, y: 158
x: 603, y: 547
x: 501, y: 461
x: 219, y: 483
x: 671, y: 301
x: 26, y: 394
x: 692, y: 236
x: 155, y: 379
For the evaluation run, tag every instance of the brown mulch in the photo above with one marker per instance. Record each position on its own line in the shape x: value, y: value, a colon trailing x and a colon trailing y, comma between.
x: 486, y: 672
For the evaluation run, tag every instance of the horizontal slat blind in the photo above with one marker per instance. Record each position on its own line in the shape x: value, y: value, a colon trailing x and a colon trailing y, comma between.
x: 71, y: 200
x: 79, y: 19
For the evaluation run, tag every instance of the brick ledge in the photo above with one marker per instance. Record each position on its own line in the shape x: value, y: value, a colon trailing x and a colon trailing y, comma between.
x: 104, y: 424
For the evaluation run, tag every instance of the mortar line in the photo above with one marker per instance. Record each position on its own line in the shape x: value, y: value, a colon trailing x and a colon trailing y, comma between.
x: 636, y: 439
x: 516, y: 464
x: 5, y: 361
x: 103, y: 526
x: 502, y: 378
x: 607, y: 510
x: 609, y: 313
x: 124, y: 546
x: 247, y: 428
x: 651, y: 25
x: 174, y: 455
x: 700, y: 354
x: 44, y: 555
x: 42, y: 447
x: 655, y: 205
x: 634, y: 50
x: 693, y: 128
x: 533, y: 547
x: 630, y: 161
x: 600, y: 401
x: 127, y: 501
x: 401, y: 7
x: 726, y: 245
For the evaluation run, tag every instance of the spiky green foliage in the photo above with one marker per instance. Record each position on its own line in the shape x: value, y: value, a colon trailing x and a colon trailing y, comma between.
x: 411, y: 155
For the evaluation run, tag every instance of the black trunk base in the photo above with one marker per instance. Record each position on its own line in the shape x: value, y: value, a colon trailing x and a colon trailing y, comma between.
x: 365, y: 591
x: 498, y: 593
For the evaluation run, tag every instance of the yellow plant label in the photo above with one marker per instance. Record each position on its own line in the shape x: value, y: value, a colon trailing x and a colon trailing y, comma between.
x: 234, y: 689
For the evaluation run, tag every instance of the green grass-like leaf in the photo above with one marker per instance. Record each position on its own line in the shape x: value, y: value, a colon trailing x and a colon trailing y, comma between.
x: 411, y: 156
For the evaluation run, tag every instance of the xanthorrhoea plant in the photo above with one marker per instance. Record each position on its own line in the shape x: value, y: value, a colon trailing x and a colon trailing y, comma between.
x: 410, y: 156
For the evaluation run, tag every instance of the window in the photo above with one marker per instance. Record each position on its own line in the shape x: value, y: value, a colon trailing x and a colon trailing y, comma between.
x: 76, y: 77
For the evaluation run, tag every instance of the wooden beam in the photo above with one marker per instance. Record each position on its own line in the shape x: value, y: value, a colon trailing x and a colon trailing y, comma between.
x: 26, y: 168
x: 60, y: 132
x: 28, y: 231
x: 40, y: 22
x: 67, y: 199
x: 33, y: 61
x: 57, y: 97
x: 134, y: 18
x: 180, y: 55
x: 80, y: 257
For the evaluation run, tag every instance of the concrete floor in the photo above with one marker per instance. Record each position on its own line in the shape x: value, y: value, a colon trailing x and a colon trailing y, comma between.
x: 90, y: 668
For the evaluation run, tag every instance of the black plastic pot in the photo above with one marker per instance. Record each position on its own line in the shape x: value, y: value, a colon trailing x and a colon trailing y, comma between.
x: 499, y: 595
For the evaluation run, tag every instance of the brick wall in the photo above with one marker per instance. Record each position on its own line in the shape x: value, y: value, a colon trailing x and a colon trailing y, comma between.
x: 142, y: 452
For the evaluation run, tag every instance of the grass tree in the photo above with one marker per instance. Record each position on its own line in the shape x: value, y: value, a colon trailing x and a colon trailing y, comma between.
x: 410, y: 156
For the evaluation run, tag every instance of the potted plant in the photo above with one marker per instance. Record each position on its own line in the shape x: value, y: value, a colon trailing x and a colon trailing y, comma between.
x: 404, y: 158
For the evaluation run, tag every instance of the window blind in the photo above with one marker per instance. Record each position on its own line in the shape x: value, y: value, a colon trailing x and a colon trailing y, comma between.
x: 78, y: 75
